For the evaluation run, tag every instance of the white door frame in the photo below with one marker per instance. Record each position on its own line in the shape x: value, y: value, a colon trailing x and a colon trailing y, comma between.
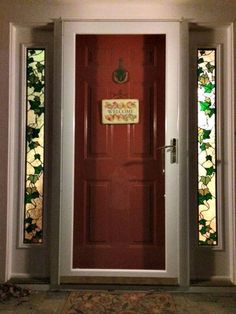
x: 176, y: 126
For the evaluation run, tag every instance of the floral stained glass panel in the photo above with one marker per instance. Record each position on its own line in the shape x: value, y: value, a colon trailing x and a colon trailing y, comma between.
x: 207, y: 206
x: 34, y: 159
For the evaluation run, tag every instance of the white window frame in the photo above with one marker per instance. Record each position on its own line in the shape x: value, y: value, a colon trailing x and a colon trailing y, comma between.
x: 177, y: 265
x: 219, y: 145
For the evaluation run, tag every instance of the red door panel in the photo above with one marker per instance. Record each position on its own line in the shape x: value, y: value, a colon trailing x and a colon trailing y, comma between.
x: 119, y: 214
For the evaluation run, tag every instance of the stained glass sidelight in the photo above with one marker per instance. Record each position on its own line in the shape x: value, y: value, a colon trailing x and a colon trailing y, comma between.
x: 34, y: 156
x: 207, y: 147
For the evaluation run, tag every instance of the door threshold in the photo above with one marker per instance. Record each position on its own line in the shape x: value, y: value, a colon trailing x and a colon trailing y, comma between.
x: 30, y: 280
x: 212, y: 283
x: 142, y: 287
x: 118, y: 280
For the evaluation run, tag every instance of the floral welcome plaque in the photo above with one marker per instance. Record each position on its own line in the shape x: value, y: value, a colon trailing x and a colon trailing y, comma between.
x: 120, y: 111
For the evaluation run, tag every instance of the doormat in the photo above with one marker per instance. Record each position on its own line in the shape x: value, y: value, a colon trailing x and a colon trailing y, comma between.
x: 101, y: 302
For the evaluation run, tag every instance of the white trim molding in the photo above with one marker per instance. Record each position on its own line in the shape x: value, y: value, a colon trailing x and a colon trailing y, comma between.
x: 231, y: 131
x: 216, y: 260
x: 19, y: 255
x: 11, y: 197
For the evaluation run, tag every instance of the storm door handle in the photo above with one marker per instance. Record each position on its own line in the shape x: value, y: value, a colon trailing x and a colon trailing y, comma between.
x: 172, y: 148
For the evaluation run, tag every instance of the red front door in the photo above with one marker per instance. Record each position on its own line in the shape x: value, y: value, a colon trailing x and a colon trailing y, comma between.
x: 119, y: 213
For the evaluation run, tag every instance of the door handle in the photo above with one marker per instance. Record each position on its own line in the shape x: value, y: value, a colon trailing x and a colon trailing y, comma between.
x: 172, y: 148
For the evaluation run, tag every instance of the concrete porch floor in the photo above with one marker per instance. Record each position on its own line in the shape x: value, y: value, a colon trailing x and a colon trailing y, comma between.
x: 49, y: 302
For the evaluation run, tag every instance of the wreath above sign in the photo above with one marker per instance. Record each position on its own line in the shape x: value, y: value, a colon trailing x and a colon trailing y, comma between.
x: 120, y: 75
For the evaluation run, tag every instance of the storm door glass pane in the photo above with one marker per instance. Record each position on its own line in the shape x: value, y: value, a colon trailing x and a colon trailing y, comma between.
x: 34, y: 150
x: 207, y: 210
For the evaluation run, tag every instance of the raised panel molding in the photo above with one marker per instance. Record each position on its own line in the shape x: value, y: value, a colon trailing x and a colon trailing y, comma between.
x: 141, y: 217
x: 97, y: 211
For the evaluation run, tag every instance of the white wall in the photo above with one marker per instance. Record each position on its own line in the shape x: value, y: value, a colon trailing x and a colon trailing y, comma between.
x: 196, y: 10
x: 29, y: 11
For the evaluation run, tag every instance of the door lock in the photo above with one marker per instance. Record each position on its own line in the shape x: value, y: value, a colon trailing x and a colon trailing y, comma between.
x: 172, y: 148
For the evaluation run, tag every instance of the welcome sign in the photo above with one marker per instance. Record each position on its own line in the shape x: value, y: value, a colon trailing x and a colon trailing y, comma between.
x: 120, y: 111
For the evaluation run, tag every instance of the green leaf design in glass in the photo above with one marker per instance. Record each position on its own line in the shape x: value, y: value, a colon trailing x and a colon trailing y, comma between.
x: 34, y: 158
x: 207, y: 147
